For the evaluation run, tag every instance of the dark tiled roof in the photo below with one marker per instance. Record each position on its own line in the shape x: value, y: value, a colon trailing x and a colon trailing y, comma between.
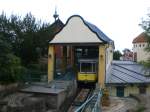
x: 58, y: 23
x: 57, y: 26
x: 126, y: 72
x: 100, y: 34
x: 140, y: 38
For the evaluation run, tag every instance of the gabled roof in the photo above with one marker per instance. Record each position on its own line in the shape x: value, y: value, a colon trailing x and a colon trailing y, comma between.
x: 101, y: 37
x: 57, y: 23
x: 140, y: 38
x: 126, y: 72
x: 54, y: 28
x: 57, y: 26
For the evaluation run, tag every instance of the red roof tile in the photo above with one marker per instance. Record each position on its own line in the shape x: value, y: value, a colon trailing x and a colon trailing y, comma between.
x: 140, y: 38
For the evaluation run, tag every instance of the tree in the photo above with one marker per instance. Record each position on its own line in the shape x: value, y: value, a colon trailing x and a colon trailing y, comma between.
x: 117, y: 54
x: 23, y: 40
x: 146, y: 27
x: 10, y: 66
x: 28, y: 37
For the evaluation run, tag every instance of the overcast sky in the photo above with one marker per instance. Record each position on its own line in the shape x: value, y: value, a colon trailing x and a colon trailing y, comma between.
x: 118, y: 19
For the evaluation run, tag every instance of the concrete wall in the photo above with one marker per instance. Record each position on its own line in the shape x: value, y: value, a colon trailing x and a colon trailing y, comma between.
x: 138, y: 48
x: 109, y: 55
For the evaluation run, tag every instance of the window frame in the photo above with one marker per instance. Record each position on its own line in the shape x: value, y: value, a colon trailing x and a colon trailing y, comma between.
x: 93, y: 69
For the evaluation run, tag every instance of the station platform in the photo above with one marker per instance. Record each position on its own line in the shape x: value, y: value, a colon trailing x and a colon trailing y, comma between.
x: 55, y: 93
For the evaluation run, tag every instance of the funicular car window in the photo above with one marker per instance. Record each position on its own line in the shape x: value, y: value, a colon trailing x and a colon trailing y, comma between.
x: 87, y: 67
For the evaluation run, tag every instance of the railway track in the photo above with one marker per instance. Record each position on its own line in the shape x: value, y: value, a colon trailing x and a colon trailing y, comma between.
x: 80, y: 99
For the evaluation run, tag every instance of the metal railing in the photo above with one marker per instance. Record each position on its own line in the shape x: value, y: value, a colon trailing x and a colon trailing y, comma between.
x: 97, y: 106
x: 88, y: 103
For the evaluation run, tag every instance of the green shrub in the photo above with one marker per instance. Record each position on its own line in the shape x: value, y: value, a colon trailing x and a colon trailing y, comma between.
x: 10, y: 69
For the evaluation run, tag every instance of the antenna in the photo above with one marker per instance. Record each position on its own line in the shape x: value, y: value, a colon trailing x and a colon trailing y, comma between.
x: 55, y: 14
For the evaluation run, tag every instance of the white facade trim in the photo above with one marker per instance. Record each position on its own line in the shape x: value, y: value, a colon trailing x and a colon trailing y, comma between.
x: 76, y: 32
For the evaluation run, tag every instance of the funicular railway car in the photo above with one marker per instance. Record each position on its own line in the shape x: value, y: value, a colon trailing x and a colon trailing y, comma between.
x: 87, y: 70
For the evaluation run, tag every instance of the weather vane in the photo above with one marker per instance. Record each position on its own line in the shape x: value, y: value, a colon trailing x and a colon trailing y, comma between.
x: 55, y: 14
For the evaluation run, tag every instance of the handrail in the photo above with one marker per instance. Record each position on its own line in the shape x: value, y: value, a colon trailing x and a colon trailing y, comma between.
x: 85, y: 103
x: 97, y: 104
x: 82, y: 110
x: 88, y: 100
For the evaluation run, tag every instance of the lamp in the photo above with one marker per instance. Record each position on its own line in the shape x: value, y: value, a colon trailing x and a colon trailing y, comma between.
x: 49, y: 55
x: 101, y: 56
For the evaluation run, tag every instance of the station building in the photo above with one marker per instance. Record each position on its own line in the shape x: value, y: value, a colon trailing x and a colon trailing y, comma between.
x: 81, y: 40
x: 127, y: 77
x: 88, y: 53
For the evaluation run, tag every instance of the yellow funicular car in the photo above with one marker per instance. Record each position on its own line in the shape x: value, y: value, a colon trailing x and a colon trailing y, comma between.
x: 87, y: 70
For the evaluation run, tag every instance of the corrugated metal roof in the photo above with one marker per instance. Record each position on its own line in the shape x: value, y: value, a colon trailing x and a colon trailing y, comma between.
x: 126, y: 72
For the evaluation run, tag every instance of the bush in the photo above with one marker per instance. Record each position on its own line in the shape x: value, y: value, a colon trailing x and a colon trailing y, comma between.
x: 10, y: 69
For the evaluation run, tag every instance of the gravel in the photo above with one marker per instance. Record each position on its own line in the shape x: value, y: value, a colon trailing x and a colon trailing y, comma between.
x: 118, y: 104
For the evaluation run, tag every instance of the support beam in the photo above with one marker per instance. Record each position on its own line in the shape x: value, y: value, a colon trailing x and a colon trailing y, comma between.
x: 64, y: 59
x: 51, y: 59
x: 101, y: 66
x: 72, y: 56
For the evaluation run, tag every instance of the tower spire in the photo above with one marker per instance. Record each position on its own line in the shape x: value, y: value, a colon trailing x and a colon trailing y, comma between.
x: 56, y: 16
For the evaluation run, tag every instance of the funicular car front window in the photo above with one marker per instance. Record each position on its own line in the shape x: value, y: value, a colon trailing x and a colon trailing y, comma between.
x: 87, y: 67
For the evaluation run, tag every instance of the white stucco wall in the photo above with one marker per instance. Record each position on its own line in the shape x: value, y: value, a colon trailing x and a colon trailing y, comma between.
x: 76, y: 32
x: 131, y: 90
x: 142, y: 55
x: 112, y: 90
x: 128, y: 90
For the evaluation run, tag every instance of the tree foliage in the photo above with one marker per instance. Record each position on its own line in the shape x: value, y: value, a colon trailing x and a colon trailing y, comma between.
x: 10, y: 65
x: 117, y: 54
x: 146, y: 27
x: 23, y: 40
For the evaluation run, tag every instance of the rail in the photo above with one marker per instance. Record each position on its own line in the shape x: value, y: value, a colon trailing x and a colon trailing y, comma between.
x: 93, y: 103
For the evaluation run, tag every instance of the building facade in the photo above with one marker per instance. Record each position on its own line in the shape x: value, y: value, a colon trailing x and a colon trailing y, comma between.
x: 127, y: 55
x: 139, y: 45
x: 82, y: 41
x: 86, y: 42
x: 127, y: 77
